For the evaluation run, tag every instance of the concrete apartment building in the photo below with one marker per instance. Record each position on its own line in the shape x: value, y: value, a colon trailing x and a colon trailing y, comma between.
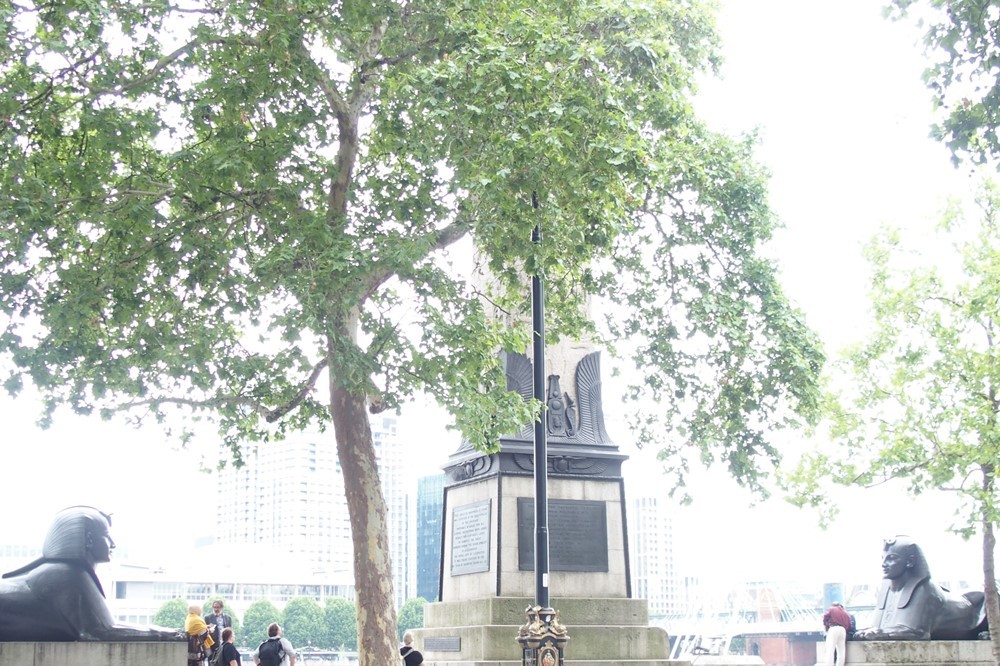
x: 281, y: 530
x: 651, y: 553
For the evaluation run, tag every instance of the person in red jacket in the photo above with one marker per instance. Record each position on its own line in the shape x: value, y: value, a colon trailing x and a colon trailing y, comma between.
x: 837, y: 622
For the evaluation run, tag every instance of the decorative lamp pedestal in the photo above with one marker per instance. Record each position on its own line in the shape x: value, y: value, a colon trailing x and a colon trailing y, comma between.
x: 542, y: 638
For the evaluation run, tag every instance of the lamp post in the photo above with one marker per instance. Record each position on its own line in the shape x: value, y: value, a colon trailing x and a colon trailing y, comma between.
x: 541, y: 442
x: 542, y: 637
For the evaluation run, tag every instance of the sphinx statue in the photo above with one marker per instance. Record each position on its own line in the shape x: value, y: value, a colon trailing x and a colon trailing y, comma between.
x: 58, y: 597
x: 911, y: 606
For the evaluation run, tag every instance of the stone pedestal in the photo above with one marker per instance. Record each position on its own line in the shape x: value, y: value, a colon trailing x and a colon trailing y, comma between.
x: 94, y: 654
x: 608, y: 632
x: 487, y: 565
x: 488, y: 522
x: 918, y: 653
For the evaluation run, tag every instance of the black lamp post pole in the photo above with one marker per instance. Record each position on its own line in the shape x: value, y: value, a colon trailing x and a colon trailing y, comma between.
x: 541, y: 452
x: 542, y: 638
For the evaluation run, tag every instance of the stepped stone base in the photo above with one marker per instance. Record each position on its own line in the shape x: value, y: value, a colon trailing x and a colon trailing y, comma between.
x: 918, y: 653
x: 94, y: 654
x: 572, y: 662
x: 483, y: 632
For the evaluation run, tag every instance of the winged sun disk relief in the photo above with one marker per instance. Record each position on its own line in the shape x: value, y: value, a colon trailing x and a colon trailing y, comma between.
x: 583, y: 422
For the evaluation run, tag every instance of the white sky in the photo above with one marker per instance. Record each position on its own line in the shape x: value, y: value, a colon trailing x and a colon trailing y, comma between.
x: 836, y: 92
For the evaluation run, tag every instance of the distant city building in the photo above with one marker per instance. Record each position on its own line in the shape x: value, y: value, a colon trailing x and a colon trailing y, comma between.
x: 281, y: 530
x: 290, y: 496
x: 18, y: 555
x: 430, y: 507
x: 240, y: 575
x: 651, y: 554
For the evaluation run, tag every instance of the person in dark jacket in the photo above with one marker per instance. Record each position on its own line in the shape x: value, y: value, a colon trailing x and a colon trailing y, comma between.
x: 411, y: 656
x: 219, y: 621
x: 230, y: 655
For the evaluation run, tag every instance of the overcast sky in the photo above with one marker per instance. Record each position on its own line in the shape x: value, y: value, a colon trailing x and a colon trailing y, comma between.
x: 835, y: 91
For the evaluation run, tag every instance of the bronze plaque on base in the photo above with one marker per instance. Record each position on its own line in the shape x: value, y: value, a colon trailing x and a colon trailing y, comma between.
x: 578, y: 535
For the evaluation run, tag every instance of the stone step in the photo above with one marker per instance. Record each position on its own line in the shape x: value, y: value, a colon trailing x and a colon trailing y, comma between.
x: 498, y: 642
x: 920, y: 653
x: 510, y: 610
x: 595, y: 642
x: 569, y: 662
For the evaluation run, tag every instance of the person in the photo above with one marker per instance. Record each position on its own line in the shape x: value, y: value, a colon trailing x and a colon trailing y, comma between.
x: 230, y: 655
x: 199, y: 636
x: 59, y: 597
x: 276, y: 650
x: 912, y: 607
x: 837, y: 622
x: 410, y: 655
x: 220, y: 621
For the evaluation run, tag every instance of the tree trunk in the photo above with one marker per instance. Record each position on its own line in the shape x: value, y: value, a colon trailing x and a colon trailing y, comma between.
x: 377, y: 645
x: 989, y: 571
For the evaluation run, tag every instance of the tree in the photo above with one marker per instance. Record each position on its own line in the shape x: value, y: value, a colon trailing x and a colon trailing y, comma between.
x: 302, y: 622
x: 259, y: 615
x: 924, y: 400
x: 228, y: 208
x: 963, y: 44
x: 172, y: 614
x: 341, y: 622
x: 411, y: 615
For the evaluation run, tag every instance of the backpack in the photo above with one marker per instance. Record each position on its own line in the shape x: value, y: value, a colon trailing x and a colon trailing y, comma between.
x: 270, y: 652
x: 216, y: 659
x: 196, y: 647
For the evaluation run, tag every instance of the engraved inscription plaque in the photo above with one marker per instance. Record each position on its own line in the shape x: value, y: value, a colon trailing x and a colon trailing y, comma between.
x: 578, y: 535
x: 443, y: 644
x: 470, y: 538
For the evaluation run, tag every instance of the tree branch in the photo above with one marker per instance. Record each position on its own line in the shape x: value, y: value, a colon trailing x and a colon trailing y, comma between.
x: 326, y: 84
x: 160, y: 65
x: 905, y: 472
x: 308, y: 385
x: 270, y: 415
x: 377, y: 63
x: 365, y: 87
x: 437, y: 240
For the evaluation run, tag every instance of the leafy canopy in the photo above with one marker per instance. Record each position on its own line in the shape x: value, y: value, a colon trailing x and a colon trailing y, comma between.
x: 171, y: 614
x: 207, y: 205
x: 256, y: 619
x: 340, y: 618
x: 923, y: 401
x: 411, y: 616
x: 303, y: 623
x: 963, y: 43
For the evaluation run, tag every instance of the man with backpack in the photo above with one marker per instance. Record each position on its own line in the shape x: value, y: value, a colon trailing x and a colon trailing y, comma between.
x: 275, y: 651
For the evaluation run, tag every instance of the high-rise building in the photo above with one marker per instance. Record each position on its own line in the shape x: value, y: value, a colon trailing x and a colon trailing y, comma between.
x: 290, y: 495
x: 651, y: 554
x: 430, y: 507
x: 397, y: 487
